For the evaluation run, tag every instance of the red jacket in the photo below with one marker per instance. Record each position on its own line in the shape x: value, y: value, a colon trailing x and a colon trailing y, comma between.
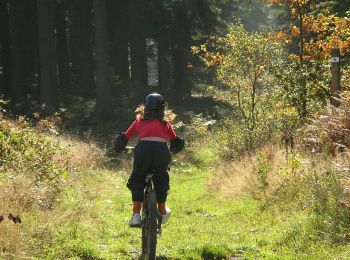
x: 151, y: 128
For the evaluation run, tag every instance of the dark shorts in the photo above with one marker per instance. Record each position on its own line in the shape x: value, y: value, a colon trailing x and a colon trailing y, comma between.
x: 148, y: 156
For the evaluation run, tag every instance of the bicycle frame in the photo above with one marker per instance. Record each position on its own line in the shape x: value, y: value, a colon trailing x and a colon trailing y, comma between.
x: 151, y: 220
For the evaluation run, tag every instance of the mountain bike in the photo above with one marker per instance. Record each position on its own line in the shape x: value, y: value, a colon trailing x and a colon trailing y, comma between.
x: 151, y: 220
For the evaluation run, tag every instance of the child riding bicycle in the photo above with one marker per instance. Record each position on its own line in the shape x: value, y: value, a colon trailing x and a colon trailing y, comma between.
x: 153, y: 125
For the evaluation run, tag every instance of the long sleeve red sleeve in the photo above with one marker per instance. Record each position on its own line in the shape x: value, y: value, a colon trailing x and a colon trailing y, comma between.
x: 171, y: 132
x: 132, y: 129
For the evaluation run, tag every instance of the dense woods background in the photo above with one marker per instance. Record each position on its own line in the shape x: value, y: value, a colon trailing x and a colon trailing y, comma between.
x: 262, y: 93
x: 100, y: 49
x: 107, y: 50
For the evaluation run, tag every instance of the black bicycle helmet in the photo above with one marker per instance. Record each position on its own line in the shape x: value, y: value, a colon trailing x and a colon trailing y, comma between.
x: 154, y: 101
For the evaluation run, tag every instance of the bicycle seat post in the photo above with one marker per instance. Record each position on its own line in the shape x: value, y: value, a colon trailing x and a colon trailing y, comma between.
x: 149, y: 180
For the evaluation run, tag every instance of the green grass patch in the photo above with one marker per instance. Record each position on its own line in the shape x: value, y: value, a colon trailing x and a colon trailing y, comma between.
x: 205, y: 157
x: 91, y: 216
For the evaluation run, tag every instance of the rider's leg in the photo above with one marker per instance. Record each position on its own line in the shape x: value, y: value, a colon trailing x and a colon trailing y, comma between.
x: 166, y: 212
x: 136, y: 207
x: 161, y: 180
x: 136, y: 182
x: 162, y: 208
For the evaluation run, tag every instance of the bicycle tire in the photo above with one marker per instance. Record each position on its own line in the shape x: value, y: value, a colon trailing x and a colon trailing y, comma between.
x: 144, y: 225
x: 151, y: 226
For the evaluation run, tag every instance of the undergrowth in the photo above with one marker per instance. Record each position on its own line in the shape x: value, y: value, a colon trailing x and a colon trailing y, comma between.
x: 36, y: 164
x: 311, y: 179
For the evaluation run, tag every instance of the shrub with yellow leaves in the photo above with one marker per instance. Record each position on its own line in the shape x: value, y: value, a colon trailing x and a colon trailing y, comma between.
x: 315, y: 33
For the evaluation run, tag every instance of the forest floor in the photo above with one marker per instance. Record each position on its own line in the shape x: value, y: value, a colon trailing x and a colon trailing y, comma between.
x: 91, y: 216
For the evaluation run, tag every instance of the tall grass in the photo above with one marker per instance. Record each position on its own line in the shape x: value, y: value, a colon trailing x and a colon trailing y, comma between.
x: 314, y: 179
x: 329, y: 132
x: 36, y: 163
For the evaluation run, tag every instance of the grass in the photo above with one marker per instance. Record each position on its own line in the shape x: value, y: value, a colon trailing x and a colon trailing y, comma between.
x: 91, y: 215
x: 89, y: 220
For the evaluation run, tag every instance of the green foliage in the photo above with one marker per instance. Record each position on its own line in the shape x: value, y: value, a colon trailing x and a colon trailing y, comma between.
x: 24, y: 150
x: 303, y: 86
x: 244, y: 62
x: 320, y: 194
x: 263, y: 169
x: 32, y: 163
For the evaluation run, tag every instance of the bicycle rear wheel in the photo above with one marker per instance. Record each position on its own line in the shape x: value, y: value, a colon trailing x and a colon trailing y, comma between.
x: 145, y: 213
x: 149, y: 232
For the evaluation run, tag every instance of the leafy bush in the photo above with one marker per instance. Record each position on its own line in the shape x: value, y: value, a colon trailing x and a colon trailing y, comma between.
x: 24, y: 150
x: 36, y: 163
x: 36, y: 160
x: 303, y: 86
x: 29, y: 165
x: 249, y: 69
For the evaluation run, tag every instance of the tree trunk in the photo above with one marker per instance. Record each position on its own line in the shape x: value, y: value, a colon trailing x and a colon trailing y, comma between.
x: 21, y: 24
x: 103, y: 81
x: 180, y: 72
x: 122, y: 56
x: 64, y: 77
x: 164, y: 63
x: 5, y: 49
x: 18, y: 39
x: 138, y: 53
x: 118, y: 22
x: 47, y: 54
x: 82, y: 49
x: 182, y: 84
x: 180, y: 55
x: 121, y: 52
x: 33, y: 44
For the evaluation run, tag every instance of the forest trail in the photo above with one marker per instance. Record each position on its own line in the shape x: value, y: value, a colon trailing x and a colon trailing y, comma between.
x: 202, y: 226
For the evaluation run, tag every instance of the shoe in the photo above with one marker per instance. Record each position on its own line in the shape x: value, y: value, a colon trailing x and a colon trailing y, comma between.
x: 166, y: 217
x: 135, y: 220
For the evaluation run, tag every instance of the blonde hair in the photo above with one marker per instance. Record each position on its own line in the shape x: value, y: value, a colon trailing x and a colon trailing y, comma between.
x: 168, y: 115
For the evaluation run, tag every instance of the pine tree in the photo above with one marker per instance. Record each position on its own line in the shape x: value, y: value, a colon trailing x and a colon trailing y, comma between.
x: 103, y: 81
x: 47, y: 55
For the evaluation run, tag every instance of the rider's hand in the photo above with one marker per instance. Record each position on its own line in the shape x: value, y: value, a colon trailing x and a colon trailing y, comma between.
x: 177, y: 144
x: 120, y: 142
